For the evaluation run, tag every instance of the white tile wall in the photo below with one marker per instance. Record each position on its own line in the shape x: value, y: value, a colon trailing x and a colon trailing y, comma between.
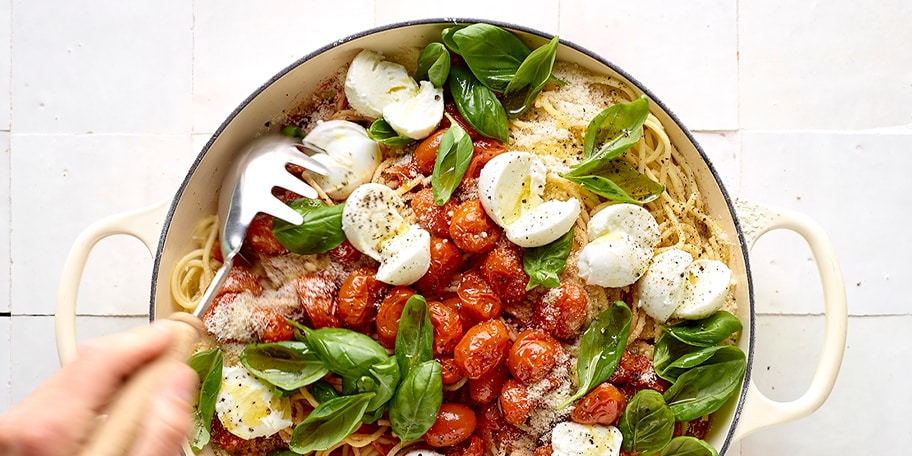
x: 806, y: 105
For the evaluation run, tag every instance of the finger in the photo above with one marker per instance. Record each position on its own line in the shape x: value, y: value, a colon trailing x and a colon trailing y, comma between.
x: 170, y: 413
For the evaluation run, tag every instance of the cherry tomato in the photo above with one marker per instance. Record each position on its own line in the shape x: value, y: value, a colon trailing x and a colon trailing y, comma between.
x: 492, y: 428
x: 562, y: 311
x: 426, y: 153
x: 240, y: 279
x: 603, y: 405
x: 271, y: 326
x: 533, y: 355
x: 455, y: 423
x: 471, y: 228
x: 635, y: 373
x: 224, y: 439
x: 223, y: 299
x: 260, y: 237
x: 359, y: 296
x: 473, y: 446
x: 447, y: 328
x: 315, y: 293
x: 484, y: 346
x: 389, y: 314
x: 546, y: 450
x: 477, y: 298
x: 451, y: 372
x: 485, y: 150
x: 445, y: 262
x: 487, y: 387
x: 503, y: 270
x: 435, y: 219
x: 515, y: 402
x: 345, y: 253
x: 451, y: 109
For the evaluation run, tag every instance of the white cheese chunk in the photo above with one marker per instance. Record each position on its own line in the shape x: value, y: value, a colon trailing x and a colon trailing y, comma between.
x: 661, y: 290
x: 351, y: 156
x: 573, y: 439
x: 416, y: 116
x: 248, y: 408
x: 706, y: 284
x: 622, y: 238
x: 372, y: 83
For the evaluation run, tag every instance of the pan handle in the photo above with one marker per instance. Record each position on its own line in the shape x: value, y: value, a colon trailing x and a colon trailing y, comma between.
x: 144, y: 224
x: 760, y: 412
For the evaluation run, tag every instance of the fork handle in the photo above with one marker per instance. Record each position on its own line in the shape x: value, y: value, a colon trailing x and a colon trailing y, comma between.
x: 125, y: 416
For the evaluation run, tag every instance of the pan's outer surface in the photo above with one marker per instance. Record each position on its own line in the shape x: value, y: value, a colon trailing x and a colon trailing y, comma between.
x: 197, y: 196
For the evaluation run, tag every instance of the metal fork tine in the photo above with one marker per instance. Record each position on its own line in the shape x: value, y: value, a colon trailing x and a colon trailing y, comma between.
x: 280, y: 210
x: 301, y: 159
x: 289, y: 182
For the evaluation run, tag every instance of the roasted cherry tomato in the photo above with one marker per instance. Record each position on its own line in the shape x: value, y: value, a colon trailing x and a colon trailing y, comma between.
x: 315, y: 293
x: 477, y: 298
x: 451, y: 373
x: 485, y: 150
x: 445, y: 262
x: 222, y: 299
x: 533, y: 355
x: 487, y: 387
x: 435, y: 219
x: 455, y: 423
x: 224, y: 439
x: 471, y: 228
x: 635, y: 373
x: 503, y: 270
x: 359, y: 297
x: 484, y: 346
x: 603, y: 405
x: 345, y: 253
x: 271, y: 326
x: 240, y: 279
x: 515, y: 402
x: 562, y: 311
x: 473, y: 446
x: 546, y: 450
x: 447, y: 328
x: 450, y: 107
x: 426, y: 153
x: 389, y: 314
x: 260, y: 237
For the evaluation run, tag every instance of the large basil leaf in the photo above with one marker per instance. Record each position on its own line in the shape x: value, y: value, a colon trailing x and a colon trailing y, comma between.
x: 414, y: 407
x: 703, y: 389
x: 453, y: 156
x: 382, y: 132
x: 208, y: 366
x: 601, y: 347
x: 688, y: 446
x: 647, y: 423
x: 383, y: 380
x: 491, y: 52
x: 610, y: 133
x: 322, y: 391
x: 199, y: 436
x: 478, y: 105
x: 618, y: 181
x: 709, y: 331
x: 415, y: 339
x: 320, y: 232
x: 447, y: 37
x: 330, y: 423
x: 544, y: 264
x: 672, y: 370
x: 345, y: 352
x: 433, y: 64
x: 287, y: 365
x: 667, y: 349
x: 529, y: 79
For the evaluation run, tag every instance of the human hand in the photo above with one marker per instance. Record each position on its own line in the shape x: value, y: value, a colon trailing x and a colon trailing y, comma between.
x: 59, y: 417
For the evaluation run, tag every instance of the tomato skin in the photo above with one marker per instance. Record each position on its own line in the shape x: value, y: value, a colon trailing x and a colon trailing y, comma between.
x: 487, y: 387
x: 447, y: 328
x: 484, y: 150
x: 445, y: 262
x: 274, y: 327
x: 315, y: 294
x: 562, y: 311
x: 502, y: 269
x: 515, y: 402
x: 483, y: 347
x: 359, y: 296
x: 603, y: 405
x: 222, y: 299
x: 455, y: 423
x: 451, y: 373
x: 473, y: 446
x: 345, y: 253
x: 435, y: 219
x: 224, y: 439
x: 240, y: 279
x: 546, y: 450
x: 493, y: 428
x: 477, y: 298
x: 635, y: 373
x: 471, y: 228
x: 533, y: 355
x: 389, y: 314
x: 450, y: 108
x: 425, y: 154
x: 260, y: 237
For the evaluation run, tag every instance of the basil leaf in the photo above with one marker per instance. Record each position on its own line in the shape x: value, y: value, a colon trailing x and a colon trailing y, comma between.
x: 647, y: 423
x: 283, y: 453
x: 709, y: 331
x: 293, y: 131
x: 688, y: 446
x: 323, y: 391
x: 544, y: 264
x: 382, y: 132
x: 330, y: 423
x: 491, y: 52
x: 618, y: 181
x: 320, y: 232
x: 208, y: 366
x: 415, y: 339
x: 414, y: 407
x: 478, y: 105
x: 703, y: 389
x: 671, y: 371
x: 668, y: 349
x: 601, y: 347
x: 345, y: 352
x: 447, y: 37
x: 611, y: 132
x: 199, y: 436
x: 384, y: 378
x: 286, y: 365
x: 529, y: 79
x: 453, y: 157
x: 433, y: 64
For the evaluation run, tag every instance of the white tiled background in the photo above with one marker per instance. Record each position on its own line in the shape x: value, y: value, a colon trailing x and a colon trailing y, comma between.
x: 806, y: 105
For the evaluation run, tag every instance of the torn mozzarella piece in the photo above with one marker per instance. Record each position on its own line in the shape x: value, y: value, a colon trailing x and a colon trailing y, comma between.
x: 373, y: 224
x: 661, y: 290
x: 511, y: 186
x: 622, y: 238
x: 705, y: 285
x: 372, y: 83
x: 573, y: 439
x: 248, y: 408
x: 416, y: 116
x: 351, y: 156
